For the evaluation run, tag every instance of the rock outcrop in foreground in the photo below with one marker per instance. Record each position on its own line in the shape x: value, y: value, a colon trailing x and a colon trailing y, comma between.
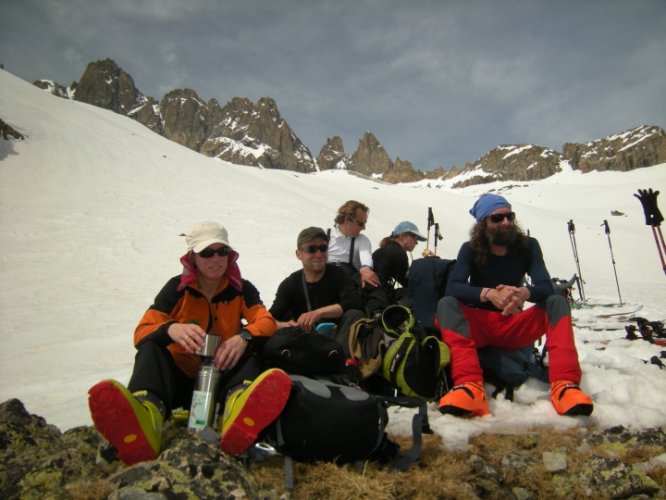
x: 39, y: 461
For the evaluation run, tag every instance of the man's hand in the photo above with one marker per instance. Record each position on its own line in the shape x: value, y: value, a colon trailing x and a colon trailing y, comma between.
x: 510, y: 299
x: 188, y: 335
x: 308, y: 320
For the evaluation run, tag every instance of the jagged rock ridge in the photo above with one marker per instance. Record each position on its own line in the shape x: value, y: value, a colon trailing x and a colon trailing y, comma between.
x: 241, y: 132
x: 255, y: 134
x: 639, y: 147
x: 522, y: 162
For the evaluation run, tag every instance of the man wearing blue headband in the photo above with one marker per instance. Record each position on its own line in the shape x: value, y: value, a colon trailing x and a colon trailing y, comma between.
x: 484, y: 307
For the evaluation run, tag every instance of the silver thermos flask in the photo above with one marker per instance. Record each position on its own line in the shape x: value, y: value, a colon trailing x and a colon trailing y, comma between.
x: 203, y: 408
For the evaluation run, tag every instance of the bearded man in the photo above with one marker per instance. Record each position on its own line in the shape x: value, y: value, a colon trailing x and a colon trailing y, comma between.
x: 484, y: 306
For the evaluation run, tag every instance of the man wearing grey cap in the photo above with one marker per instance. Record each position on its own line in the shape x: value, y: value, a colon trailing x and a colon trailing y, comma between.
x: 313, y: 294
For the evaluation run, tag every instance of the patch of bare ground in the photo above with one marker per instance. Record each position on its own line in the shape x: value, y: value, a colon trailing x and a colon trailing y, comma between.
x: 487, y: 469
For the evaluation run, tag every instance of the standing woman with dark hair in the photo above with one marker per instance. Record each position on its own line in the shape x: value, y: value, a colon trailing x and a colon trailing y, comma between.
x: 391, y: 261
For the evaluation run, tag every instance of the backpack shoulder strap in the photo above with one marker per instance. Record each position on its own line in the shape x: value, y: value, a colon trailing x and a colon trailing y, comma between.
x: 420, y: 425
x: 305, y: 292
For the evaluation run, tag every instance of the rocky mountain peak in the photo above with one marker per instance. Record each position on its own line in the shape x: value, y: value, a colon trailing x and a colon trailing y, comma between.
x: 332, y: 155
x: 519, y: 162
x: 401, y: 171
x: 370, y: 157
x: 52, y: 88
x: 106, y: 85
x: 635, y: 148
x: 255, y: 134
x: 185, y: 118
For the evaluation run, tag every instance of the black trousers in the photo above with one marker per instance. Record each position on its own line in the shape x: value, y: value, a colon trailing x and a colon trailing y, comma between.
x: 156, y: 372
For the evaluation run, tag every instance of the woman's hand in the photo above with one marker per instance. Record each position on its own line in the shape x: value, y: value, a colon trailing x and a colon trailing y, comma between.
x: 188, y: 335
x: 229, y: 353
x: 368, y: 277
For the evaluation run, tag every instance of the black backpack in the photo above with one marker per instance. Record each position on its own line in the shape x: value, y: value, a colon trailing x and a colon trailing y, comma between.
x: 325, y: 421
x: 298, y: 352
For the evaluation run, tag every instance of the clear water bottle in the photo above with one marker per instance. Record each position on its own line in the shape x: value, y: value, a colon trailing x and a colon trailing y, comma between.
x: 202, y: 411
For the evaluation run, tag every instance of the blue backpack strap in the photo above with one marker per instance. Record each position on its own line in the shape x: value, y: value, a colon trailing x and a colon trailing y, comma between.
x: 420, y: 425
x: 288, y: 462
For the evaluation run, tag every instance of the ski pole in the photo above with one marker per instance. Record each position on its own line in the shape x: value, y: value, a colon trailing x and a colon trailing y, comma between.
x: 610, y: 246
x: 661, y: 237
x: 653, y: 218
x: 659, y: 250
x: 574, y: 247
x: 438, y: 236
x: 431, y: 222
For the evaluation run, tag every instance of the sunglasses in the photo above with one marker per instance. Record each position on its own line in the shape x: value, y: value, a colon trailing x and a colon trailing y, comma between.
x: 207, y: 253
x: 497, y: 218
x: 314, y: 248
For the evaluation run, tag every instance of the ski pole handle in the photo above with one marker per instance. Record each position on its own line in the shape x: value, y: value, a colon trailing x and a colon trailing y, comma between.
x: 648, y: 199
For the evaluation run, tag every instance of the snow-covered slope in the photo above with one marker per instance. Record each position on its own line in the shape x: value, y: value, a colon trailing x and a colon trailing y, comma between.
x: 92, y: 205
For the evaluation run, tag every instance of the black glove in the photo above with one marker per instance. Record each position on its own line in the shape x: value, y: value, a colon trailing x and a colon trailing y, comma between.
x: 648, y: 199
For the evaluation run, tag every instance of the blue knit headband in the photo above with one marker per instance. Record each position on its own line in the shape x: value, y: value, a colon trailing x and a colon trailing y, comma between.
x: 487, y: 204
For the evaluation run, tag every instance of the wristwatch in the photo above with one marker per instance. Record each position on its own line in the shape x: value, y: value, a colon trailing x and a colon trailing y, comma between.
x: 245, y: 335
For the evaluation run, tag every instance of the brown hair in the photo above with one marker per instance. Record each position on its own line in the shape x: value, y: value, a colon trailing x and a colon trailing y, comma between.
x: 348, y: 211
x: 481, y: 245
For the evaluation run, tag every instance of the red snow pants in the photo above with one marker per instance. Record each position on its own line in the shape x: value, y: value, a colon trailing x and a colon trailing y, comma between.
x: 465, y: 329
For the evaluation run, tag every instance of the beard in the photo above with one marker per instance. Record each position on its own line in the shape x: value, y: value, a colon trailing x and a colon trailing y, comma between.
x: 504, y: 236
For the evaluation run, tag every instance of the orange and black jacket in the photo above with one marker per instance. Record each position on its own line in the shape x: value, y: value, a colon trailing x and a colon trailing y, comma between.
x: 222, y: 316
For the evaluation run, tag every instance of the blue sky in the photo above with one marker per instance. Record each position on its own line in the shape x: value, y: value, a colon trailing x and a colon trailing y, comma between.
x: 439, y: 83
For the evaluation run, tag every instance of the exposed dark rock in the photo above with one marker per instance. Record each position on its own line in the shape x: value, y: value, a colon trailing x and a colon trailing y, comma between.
x: 370, y: 158
x: 52, y: 88
x: 147, y: 112
x: 255, y: 134
x: 401, y: 171
x: 7, y: 131
x: 106, y: 85
x: 520, y: 162
x: 636, y: 148
x: 38, y: 461
x: 249, y: 134
x: 185, y: 118
x: 332, y: 155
